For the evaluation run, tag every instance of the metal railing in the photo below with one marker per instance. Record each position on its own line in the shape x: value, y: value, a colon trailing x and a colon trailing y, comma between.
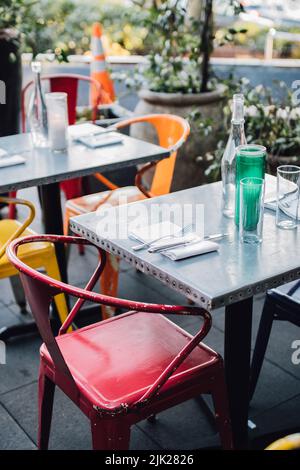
x: 272, y: 35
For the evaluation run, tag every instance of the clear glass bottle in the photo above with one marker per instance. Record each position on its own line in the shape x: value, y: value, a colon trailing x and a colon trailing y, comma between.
x: 37, y: 111
x: 228, y: 165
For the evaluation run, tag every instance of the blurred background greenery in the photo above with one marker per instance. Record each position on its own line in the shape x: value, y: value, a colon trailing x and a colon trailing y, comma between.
x: 65, y: 25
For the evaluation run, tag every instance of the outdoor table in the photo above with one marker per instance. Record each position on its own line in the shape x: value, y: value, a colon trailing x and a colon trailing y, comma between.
x: 229, y: 278
x: 46, y: 169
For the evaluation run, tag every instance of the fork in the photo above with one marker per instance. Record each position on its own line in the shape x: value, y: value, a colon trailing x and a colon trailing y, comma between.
x: 187, y: 242
x: 183, y: 231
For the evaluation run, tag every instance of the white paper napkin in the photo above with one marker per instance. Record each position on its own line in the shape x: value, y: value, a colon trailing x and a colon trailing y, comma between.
x: 83, y: 130
x: 289, y: 211
x: 11, y: 160
x: 192, y: 249
x: 270, y: 201
x: 101, y: 140
x: 167, y: 243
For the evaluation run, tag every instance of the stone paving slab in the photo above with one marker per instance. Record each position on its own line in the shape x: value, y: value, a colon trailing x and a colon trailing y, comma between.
x: 70, y: 427
x: 12, y: 437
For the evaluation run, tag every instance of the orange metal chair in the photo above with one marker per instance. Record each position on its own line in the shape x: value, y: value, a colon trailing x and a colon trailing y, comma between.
x: 172, y: 131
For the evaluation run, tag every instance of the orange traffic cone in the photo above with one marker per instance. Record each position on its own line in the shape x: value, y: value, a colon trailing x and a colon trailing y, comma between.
x: 98, y: 66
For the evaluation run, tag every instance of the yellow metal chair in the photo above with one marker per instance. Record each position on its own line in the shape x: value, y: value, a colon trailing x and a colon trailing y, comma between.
x: 37, y: 255
x: 291, y: 442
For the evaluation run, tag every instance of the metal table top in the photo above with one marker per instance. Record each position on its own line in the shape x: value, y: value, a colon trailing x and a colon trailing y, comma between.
x: 43, y: 166
x: 238, y: 271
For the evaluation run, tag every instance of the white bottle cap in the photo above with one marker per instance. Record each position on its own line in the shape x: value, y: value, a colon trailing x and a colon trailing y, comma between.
x: 36, y: 66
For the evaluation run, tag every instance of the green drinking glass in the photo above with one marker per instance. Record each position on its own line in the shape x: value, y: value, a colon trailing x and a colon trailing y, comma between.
x: 251, y: 210
x: 250, y: 162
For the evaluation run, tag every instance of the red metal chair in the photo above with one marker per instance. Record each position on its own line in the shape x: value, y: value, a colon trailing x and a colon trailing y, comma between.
x: 121, y: 370
x: 67, y: 83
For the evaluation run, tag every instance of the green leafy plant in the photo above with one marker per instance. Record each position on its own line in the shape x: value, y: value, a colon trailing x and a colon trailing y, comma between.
x: 175, y: 49
x: 271, y: 119
x: 65, y: 26
x: 13, y: 13
x: 178, y: 47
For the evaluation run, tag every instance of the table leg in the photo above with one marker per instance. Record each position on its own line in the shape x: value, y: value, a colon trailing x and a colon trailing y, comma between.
x: 238, y: 324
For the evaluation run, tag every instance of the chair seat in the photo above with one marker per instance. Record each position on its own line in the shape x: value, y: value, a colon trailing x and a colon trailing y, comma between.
x: 91, y: 202
x: 115, y: 361
x: 30, y: 254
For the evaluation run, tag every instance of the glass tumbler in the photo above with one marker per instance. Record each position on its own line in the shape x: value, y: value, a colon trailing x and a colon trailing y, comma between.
x: 57, y: 111
x: 252, y: 191
x: 288, y: 186
x: 250, y: 162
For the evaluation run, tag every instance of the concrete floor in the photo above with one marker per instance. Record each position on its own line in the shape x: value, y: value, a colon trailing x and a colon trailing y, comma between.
x: 275, y: 407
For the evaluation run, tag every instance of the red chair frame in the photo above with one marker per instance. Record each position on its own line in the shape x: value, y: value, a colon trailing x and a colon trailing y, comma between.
x: 111, y: 425
x: 59, y: 82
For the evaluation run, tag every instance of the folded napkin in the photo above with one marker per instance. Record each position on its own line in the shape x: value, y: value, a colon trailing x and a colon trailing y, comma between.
x: 192, y: 249
x: 193, y: 243
x: 289, y: 211
x: 270, y: 201
x: 101, y: 140
x: 11, y: 160
x: 84, y: 130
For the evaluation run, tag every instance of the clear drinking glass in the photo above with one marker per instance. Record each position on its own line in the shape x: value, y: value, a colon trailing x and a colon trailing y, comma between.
x: 252, y: 191
x: 288, y: 186
x: 57, y: 111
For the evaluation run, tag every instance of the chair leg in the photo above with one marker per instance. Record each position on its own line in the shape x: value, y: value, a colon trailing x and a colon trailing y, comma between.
x: 12, y: 208
x: 109, y: 283
x: 81, y: 249
x: 110, y: 434
x: 52, y: 270
x: 219, y: 395
x: 66, y: 221
x: 261, y: 343
x: 19, y: 293
x: 45, y: 406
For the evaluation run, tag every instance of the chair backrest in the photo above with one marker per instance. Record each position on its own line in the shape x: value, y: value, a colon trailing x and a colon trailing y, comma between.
x: 291, y: 442
x: 40, y: 290
x: 172, y: 131
x: 19, y: 228
x: 66, y: 83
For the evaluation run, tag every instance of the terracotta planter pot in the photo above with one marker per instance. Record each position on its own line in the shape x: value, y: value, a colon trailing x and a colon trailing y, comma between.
x: 274, y: 161
x: 189, y: 171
